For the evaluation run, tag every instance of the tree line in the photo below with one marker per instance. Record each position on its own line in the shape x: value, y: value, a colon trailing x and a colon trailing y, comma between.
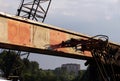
x: 13, y: 67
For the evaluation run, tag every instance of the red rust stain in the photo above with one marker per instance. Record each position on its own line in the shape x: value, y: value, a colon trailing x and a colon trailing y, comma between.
x: 87, y: 53
x: 56, y: 37
x: 24, y: 33
x: 18, y: 32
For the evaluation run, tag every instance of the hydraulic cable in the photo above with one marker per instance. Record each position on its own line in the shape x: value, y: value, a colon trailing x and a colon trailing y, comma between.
x: 99, y: 68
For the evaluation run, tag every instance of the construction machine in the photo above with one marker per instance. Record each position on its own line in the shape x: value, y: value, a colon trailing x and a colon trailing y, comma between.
x: 106, y: 57
x: 105, y: 60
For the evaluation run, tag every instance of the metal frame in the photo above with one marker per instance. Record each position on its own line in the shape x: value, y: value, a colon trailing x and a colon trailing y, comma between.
x: 34, y: 10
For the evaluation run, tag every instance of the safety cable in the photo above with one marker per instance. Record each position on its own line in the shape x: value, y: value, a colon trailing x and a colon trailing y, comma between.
x: 113, y: 72
x: 103, y: 67
x: 109, y: 60
x: 92, y: 52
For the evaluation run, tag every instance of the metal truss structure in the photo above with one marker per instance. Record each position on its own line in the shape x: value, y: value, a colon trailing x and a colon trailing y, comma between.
x: 34, y: 10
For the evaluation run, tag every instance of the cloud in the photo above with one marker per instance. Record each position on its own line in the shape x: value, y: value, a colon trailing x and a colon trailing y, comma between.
x: 9, y: 6
x: 87, y: 10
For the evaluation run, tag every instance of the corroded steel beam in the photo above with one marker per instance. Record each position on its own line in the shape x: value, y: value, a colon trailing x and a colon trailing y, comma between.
x: 26, y: 35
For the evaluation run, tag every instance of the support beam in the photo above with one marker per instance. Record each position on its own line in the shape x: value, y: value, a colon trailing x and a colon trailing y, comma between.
x: 26, y: 35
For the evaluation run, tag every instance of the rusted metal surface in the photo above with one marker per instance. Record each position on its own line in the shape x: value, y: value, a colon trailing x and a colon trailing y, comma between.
x: 27, y: 35
x: 18, y: 32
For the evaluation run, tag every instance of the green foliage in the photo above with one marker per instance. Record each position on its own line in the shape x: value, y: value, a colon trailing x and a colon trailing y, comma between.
x: 12, y: 64
x: 63, y: 75
x: 81, y: 76
x: 30, y: 70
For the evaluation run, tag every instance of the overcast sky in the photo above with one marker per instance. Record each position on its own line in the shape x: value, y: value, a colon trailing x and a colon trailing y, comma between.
x: 89, y: 17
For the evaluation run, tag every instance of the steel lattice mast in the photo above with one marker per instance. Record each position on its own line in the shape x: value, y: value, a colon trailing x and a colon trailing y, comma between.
x: 34, y: 10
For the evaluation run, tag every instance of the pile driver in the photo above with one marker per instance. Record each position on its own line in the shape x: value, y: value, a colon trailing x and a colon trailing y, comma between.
x: 106, y: 57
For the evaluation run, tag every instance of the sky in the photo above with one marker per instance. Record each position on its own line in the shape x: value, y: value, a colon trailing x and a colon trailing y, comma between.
x: 90, y: 17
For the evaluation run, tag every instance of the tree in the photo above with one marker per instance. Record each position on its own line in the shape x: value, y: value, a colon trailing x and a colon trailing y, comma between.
x: 81, y: 76
x: 10, y: 63
x: 30, y: 71
x: 63, y: 75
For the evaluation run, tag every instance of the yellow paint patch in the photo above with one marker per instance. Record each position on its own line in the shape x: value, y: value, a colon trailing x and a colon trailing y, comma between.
x: 3, y: 30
